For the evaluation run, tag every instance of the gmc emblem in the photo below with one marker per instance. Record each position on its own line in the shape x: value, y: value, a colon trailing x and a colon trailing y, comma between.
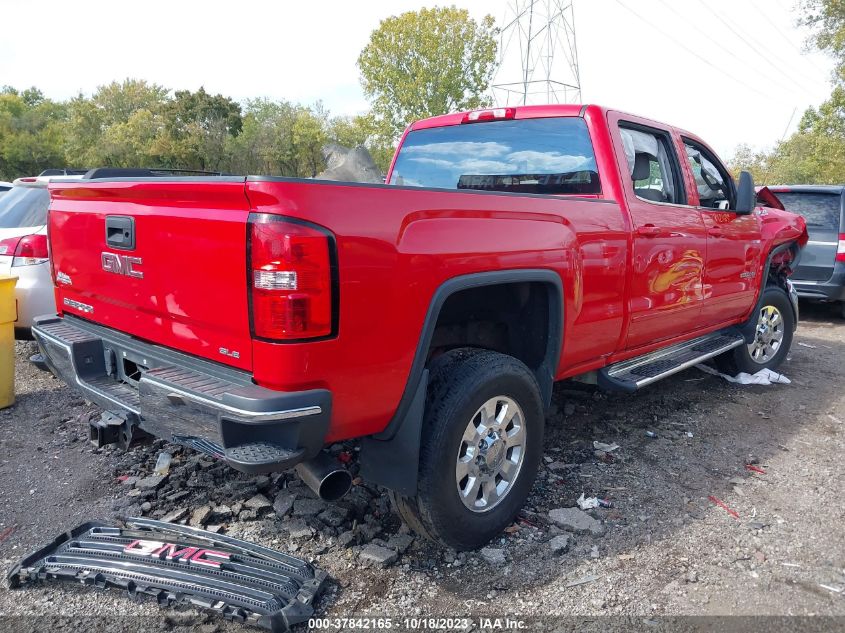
x: 171, y: 551
x: 121, y: 265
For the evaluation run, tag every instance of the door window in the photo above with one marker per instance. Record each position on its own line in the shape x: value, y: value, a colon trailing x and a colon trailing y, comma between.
x: 712, y: 182
x: 821, y: 210
x: 652, y: 168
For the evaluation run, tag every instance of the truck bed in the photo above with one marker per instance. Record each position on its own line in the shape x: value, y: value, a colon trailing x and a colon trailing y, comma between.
x: 394, y: 247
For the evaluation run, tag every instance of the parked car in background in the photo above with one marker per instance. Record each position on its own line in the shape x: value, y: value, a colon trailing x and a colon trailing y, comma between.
x: 820, y: 274
x: 64, y: 172
x: 4, y: 187
x: 23, y: 248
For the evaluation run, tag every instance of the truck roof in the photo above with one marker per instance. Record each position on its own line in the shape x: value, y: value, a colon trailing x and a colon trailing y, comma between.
x: 536, y: 112
x: 522, y: 112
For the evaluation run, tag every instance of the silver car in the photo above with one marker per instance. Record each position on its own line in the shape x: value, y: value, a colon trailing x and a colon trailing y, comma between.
x: 821, y: 271
x: 23, y: 249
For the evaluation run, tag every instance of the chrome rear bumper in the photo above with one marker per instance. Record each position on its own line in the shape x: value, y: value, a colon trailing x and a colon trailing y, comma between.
x: 184, y: 399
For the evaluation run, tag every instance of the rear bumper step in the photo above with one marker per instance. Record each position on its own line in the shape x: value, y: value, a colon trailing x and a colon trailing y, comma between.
x: 184, y: 399
x: 641, y: 371
x: 181, y: 566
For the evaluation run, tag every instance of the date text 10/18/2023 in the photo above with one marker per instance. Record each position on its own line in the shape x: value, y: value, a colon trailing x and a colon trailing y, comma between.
x: 418, y: 623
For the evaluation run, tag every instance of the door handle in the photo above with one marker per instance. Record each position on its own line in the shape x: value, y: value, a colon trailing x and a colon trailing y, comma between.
x: 648, y: 230
x: 715, y: 231
x: 120, y: 232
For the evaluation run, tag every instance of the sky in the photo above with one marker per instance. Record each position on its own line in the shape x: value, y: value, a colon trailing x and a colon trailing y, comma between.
x: 731, y: 71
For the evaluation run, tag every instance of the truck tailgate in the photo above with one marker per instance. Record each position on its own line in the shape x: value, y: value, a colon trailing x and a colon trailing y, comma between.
x: 164, y: 261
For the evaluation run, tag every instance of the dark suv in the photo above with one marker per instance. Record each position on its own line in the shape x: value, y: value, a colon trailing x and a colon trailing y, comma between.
x: 821, y: 272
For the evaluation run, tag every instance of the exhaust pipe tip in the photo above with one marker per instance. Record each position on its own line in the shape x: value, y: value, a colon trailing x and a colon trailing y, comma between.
x: 322, y: 474
x: 335, y: 485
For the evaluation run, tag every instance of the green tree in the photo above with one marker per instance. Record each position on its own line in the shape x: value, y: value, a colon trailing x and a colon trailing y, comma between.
x: 249, y: 150
x: 351, y: 131
x: 116, y: 102
x: 134, y: 123
x: 424, y: 63
x: 132, y: 143
x: 197, y: 128
x: 118, y: 126
x: 280, y: 138
x: 308, y: 136
x: 32, y: 133
x: 747, y: 159
x: 827, y: 18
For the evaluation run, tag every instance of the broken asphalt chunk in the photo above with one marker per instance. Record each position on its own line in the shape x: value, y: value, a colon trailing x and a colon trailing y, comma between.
x: 577, y: 521
x: 153, y: 482
x: 378, y: 555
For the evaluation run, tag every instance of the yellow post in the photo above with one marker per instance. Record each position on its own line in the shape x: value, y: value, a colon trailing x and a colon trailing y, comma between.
x: 8, y: 316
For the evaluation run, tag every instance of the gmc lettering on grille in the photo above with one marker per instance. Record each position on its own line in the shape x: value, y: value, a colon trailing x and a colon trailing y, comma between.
x: 171, y: 551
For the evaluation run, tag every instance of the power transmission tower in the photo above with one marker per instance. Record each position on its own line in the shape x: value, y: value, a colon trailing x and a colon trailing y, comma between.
x: 538, y: 57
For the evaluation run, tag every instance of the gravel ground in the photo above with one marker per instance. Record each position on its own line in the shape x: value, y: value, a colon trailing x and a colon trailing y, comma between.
x: 664, y: 547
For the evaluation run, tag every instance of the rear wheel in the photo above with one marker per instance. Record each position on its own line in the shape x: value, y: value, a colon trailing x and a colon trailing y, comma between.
x: 775, y: 323
x: 480, y: 448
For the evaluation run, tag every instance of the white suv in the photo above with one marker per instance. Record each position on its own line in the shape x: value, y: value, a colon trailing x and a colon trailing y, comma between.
x: 23, y: 248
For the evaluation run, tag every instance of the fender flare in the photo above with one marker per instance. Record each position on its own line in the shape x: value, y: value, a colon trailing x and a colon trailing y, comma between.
x: 747, y: 329
x: 391, y: 458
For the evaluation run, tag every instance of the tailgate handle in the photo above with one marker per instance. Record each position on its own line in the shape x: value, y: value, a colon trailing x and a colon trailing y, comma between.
x: 120, y: 232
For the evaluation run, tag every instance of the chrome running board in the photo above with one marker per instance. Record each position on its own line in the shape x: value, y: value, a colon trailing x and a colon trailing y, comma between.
x: 641, y: 371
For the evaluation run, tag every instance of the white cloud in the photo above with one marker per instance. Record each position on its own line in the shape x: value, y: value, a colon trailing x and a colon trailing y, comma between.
x: 483, y: 148
x: 546, y: 162
x: 514, y: 163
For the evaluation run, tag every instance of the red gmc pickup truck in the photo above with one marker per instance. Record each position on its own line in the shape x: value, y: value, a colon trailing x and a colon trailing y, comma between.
x: 259, y: 319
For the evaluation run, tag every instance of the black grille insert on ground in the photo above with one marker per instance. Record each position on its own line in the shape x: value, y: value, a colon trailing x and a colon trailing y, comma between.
x: 179, y: 565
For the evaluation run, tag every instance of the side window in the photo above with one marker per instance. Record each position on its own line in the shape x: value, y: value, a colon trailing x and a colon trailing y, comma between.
x: 652, y: 166
x: 713, y: 183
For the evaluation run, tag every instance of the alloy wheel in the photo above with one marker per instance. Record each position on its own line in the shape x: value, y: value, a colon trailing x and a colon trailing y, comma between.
x: 768, y: 336
x: 491, y: 453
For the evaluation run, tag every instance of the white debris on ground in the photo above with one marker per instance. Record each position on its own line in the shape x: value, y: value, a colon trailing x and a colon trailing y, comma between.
x: 763, y: 377
x: 588, y: 503
x: 607, y: 448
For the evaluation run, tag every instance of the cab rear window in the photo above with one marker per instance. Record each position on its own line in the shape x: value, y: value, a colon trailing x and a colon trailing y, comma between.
x: 821, y: 210
x: 24, y: 207
x: 544, y: 156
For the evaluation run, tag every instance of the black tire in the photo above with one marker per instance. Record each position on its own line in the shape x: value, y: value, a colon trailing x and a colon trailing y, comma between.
x: 842, y: 309
x: 460, y: 382
x: 740, y: 359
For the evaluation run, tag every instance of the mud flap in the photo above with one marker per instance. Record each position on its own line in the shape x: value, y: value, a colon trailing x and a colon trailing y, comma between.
x: 181, y: 566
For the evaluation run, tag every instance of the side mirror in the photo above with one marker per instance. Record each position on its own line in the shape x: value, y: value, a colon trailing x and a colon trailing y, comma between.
x: 746, y: 197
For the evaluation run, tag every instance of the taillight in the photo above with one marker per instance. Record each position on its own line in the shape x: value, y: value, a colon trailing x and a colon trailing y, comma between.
x: 8, y: 246
x: 290, y: 278
x: 27, y: 250
x: 840, y: 249
x: 494, y: 114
